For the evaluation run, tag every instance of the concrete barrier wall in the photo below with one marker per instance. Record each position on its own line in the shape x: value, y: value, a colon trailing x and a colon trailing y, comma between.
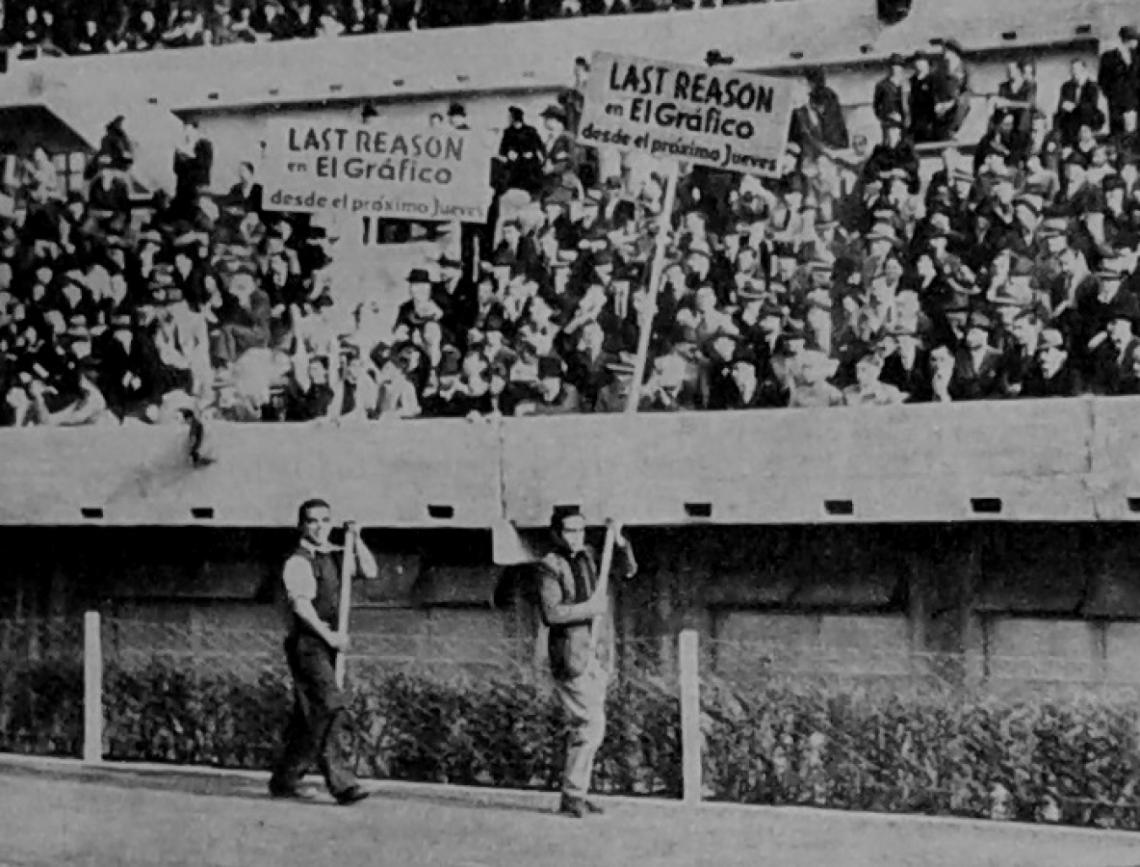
x: 384, y: 475
x: 921, y: 463
x: 1065, y: 460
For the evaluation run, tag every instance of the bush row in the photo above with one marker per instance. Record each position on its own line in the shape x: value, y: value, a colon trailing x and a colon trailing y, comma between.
x: 1047, y: 759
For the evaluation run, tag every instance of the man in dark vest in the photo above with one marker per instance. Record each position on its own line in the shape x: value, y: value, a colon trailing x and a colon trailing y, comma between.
x: 312, y: 585
x: 577, y: 613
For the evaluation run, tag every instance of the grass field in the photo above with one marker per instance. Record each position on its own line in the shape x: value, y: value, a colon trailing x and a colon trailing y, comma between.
x: 55, y: 814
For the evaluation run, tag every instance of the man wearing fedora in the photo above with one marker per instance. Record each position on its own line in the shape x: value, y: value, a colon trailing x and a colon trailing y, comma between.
x: 1115, y: 346
x: 128, y: 376
x: 905, y: 362
x: 891, y: 98
x: 1079, y: 104
x: 1051, y: 375
x: 977, y: 365
x: 419, y: 308
x: 1118, y: 75
x: 552, y: 394
x: 894, y: 152
x: 614, y: 395
x: 522, y: 153
x: 559, y: 169
x: 920, y: 117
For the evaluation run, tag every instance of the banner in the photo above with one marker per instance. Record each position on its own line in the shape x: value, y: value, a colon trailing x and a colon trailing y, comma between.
x: 387, y: 169
x: 728, y: 120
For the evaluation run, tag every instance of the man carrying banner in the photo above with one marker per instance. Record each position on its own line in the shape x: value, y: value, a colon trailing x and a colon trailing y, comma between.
x: 575, y: 606
x: 312, y: 582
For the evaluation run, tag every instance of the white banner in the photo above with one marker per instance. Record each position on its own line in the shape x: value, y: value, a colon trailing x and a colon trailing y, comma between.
x: 734, y: 121
x: 387, y: 169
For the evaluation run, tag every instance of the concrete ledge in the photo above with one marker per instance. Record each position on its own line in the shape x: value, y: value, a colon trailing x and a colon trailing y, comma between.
x: 539, y: 800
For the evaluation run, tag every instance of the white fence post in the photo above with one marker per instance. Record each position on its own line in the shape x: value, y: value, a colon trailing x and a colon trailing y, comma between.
x: 689, y: 667
x: 92, y: 688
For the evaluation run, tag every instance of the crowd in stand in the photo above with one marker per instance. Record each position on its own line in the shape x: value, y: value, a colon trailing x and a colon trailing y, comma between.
x: 81, y: 27
x: 848, y: 280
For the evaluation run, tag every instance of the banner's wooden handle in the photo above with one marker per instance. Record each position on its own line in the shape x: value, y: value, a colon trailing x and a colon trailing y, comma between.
x: 345, y: 606
x: 604, y: 572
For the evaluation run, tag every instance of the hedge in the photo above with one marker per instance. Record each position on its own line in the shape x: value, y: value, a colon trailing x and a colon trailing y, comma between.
x: 1041, y: 758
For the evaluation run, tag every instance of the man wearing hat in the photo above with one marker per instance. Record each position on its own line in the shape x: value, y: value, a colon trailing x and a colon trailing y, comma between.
x: 1118, y: 75
x: 894, y: 152
x: 951, y: 90
x: 614, y: 395
x: 419, y: 308
x: 553, y: 395
x: 515, y: 251
x: 523, y: 153
x: 921, y: 100
x: 890, y: 97
x: 128, y: 374
x: 1079, y: 104
x: 560, y: 166
x: 446, y: 398
x: 977, y: 365
x: 1115, y: 346
x: 868, y: 388
x: 1051, y: 375
x: 904, y: 360
x: 746, y: 391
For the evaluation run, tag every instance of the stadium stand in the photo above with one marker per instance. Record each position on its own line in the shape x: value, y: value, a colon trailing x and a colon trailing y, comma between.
x: 858, y: 277
x: 79, y: 28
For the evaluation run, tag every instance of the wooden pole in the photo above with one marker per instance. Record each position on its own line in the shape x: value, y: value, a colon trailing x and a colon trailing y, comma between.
x: 604, y: 574
x: 689, y: 658
x: 92, y: 688
x: 656, y: 273
x: 345, y: 606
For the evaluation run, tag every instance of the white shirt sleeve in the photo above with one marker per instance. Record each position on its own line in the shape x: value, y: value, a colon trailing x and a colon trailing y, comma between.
x: 298, y: 579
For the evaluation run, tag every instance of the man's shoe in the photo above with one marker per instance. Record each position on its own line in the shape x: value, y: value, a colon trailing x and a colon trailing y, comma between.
x: 573, y: 807
x: 352, y: 796
x: 303, y: 793
x: 592, y: 808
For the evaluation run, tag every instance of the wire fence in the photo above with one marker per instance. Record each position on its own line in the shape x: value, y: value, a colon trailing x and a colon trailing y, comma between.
x: 476, y: 712
x: 778, y: 724
x: 41, y: 686
x: 919, y: 732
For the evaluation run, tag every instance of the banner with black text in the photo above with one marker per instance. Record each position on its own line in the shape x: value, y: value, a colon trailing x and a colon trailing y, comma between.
x: 386, y: 169
x: 729, y: 120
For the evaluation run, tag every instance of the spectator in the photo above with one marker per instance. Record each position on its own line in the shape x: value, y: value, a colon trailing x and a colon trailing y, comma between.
x: 243, y: 322
x: 1119, y: 80
x: 1112, y: 361
x: 818, y: 126
x: 1079, y: 105
x: 523, y: 153
x: 193, y: 164
x: 553, y: 394
x: 921, y: 102
x: 355, y: 391
x: 1051, y: 375
x: 951, y: 91
x: 813, y: 388
x: 891, y: 98
x: 117, y: 145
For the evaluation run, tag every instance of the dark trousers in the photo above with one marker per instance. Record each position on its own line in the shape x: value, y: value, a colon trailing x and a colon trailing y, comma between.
x: 317, y: 727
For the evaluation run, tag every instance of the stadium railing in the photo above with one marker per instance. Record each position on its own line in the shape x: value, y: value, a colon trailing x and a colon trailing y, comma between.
x: 763, y: 722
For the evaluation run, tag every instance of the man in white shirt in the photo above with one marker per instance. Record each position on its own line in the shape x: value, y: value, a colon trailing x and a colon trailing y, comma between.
x: 312, y: 585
